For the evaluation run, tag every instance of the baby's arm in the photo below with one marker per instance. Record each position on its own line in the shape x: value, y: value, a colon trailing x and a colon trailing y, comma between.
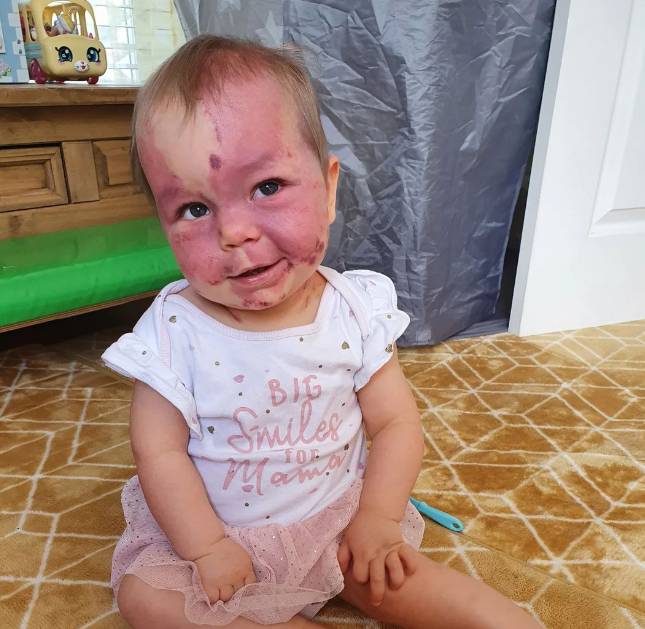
x: 177, y: 497
x: 392, y: 422
x: 373, y: 540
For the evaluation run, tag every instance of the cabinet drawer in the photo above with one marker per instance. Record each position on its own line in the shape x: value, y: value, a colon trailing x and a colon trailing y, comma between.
x: 113, y: 174
x: 31, y: 177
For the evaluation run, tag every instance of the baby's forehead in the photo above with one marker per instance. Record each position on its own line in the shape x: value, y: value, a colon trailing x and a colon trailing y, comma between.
x: 252, y: 97
x: 244, y: 110
x: 267, y: 91
x: 240, y: 138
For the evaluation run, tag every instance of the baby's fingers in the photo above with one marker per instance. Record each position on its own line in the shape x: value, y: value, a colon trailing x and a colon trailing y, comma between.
x: 409, y: 559
x: 226, y: 592
x: 395, y: 573
x: 344, y: 557
x: 377, y: 581
x: 213, y: 594
x: 247, y: 580
x: 360, y: 569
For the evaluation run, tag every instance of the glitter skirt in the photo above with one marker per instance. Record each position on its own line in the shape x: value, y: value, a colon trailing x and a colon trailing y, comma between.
x: 295, y: 565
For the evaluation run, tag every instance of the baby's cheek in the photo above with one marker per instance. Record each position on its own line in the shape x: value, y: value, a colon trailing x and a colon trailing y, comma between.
x: 300, y: 234
x: 196, y: 259
x: 318, y: 252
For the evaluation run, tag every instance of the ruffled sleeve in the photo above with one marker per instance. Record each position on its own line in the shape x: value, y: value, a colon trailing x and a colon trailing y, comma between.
x: 385, y: 322
x: 139, y: 355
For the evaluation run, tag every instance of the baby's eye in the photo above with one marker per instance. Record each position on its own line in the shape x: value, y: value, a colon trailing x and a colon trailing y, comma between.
x: 267, y: 188
x: 192, y: 211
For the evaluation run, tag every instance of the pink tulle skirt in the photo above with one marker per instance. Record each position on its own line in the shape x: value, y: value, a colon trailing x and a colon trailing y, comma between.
x: 295, y: 565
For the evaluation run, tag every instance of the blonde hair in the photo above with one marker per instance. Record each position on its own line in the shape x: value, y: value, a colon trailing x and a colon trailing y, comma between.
x: 205, y: 65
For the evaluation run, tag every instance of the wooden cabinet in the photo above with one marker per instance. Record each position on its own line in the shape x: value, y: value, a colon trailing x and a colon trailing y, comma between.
x: 112, y: 159
x: 31, y: 177
x: 64, y: 158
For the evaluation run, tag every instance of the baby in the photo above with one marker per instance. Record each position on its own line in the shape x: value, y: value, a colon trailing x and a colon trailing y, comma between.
x: 259, y: 377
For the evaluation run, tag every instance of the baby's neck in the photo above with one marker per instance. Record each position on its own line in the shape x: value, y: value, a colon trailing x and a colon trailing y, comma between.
x: 297, y: 310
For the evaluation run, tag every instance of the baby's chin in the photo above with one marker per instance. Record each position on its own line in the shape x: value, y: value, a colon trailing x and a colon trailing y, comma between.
x: 263, y: 300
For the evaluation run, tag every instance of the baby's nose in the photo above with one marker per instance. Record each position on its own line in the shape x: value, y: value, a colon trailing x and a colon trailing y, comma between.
x: 237, y: 227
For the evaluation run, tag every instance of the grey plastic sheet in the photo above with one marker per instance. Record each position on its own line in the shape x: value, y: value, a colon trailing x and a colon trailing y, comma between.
x: 431, y: 107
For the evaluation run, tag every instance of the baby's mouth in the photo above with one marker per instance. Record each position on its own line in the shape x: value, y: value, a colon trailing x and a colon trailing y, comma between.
x: 255, y: 271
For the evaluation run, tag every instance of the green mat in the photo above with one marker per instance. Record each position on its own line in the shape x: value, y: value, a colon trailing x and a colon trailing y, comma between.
x: 53, y: 273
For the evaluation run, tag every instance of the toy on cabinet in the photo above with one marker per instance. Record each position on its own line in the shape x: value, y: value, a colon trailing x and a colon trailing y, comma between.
x: 61, y: 41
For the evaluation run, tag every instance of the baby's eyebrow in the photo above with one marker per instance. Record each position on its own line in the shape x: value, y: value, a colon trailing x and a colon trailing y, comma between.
x: 168, y: 194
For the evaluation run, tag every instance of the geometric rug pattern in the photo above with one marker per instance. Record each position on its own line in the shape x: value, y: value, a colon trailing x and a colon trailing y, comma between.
x: 537, y: 444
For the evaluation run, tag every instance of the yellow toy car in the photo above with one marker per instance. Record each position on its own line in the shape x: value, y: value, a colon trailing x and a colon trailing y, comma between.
x: 61, y: 41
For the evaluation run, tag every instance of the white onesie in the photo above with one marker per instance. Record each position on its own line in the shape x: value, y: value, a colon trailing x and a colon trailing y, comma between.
x: 275, y: 425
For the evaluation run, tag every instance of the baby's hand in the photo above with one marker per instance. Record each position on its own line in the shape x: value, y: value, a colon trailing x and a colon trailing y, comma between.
x: 373, y: 544
x: 224, y: 569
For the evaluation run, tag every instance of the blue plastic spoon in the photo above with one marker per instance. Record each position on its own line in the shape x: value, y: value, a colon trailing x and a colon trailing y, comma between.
x: 440, y: 517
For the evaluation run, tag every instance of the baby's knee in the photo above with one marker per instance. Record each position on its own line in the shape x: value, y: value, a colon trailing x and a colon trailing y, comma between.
x: 129, y: 600
x: 137, y: 604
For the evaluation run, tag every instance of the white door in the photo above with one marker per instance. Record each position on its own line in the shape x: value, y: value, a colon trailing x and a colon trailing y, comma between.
x: 582, y: 256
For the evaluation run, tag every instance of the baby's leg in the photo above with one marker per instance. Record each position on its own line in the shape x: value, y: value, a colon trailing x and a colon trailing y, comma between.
x: 438, y: 596
x: 145, y: 607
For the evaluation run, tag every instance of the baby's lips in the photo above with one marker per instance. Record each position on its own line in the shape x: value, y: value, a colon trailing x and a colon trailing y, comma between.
x: 252, y: 268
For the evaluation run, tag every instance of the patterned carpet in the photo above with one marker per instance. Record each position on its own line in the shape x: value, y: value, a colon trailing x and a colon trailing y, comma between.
x: 537, y: 444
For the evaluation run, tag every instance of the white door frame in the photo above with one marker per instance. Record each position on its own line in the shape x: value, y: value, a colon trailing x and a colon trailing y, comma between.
x: 582, y: 255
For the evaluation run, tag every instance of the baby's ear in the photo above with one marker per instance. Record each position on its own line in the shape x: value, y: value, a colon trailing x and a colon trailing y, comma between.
x: 333, y: 171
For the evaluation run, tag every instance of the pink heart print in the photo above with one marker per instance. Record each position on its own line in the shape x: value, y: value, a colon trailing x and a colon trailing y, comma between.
x: 247, y: 488
x: 239, y: 378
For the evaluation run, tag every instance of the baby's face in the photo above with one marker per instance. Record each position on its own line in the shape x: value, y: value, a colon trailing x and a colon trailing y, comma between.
x: 241, y: 196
